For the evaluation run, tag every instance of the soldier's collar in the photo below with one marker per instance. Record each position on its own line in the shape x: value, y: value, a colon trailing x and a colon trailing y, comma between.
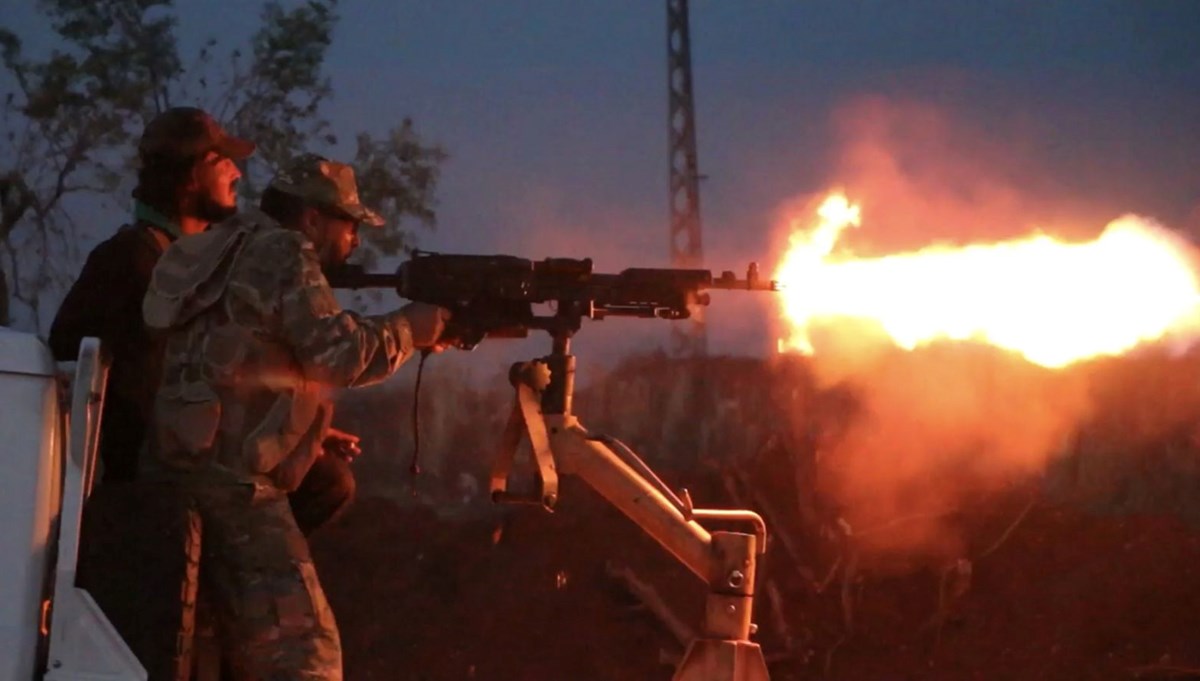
x: 145, y: 213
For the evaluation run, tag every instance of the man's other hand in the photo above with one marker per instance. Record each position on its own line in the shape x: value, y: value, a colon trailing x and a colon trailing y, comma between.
x: 341, y: 444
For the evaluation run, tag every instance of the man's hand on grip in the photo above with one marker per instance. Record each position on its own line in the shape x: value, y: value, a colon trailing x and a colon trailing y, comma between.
x: 426, y: 323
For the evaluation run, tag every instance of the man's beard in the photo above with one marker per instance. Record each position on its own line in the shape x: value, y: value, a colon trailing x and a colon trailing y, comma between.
x: 326, y: 255
x: 330, y: 259
x: 210, y: 211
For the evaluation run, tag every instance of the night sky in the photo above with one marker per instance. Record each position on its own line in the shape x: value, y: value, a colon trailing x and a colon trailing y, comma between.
x: 951, y: 120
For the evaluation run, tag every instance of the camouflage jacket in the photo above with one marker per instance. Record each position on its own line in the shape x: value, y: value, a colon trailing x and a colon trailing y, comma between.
x: 255, y: 341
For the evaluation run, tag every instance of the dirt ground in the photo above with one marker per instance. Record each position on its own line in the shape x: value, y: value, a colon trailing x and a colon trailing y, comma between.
x: 1085, y: 569
x: 519, y: 594
x: 1081, y: 568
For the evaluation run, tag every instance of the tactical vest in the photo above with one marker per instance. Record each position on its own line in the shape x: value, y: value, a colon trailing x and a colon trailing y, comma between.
x: 233, y: 402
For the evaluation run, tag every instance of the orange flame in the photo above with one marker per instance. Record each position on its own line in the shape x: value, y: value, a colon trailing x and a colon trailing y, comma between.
x: 1052, y: 301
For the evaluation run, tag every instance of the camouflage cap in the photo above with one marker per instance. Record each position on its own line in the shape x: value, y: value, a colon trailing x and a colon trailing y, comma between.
x: 325, y: 183
x: 187, y: 131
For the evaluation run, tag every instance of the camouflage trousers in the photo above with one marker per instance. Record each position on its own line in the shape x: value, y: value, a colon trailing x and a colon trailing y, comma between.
x: 258, y: 578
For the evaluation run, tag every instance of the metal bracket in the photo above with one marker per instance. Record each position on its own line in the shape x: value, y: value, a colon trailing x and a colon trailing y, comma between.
x: 525, y: 420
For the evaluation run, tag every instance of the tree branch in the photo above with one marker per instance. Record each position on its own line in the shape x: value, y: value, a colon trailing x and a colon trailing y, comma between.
x: 648, y: 596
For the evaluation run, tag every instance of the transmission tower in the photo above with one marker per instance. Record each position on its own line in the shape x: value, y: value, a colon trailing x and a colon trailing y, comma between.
x: 687, y: 338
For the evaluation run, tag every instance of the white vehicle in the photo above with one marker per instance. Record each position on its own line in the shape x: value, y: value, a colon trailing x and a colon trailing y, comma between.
x: 50, y: 630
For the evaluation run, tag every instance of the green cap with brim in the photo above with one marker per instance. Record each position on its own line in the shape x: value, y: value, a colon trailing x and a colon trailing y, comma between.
x: 326, y: 183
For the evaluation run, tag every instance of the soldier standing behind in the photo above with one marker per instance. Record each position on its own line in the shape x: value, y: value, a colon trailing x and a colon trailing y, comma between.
x: 187, y: 179
x: 255, y: 343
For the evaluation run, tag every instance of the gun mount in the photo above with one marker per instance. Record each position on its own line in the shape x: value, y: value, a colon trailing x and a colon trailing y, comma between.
x: 493, y: 296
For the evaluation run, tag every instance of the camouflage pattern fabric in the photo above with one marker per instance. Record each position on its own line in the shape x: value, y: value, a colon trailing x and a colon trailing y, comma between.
x: 257, y: 574
x: 254, y: 342
x: 327, y: 183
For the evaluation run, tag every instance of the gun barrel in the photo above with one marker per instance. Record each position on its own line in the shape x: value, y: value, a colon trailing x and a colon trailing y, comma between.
x: 353, y: 277
x: 734, y: 284
x: 753, y: 282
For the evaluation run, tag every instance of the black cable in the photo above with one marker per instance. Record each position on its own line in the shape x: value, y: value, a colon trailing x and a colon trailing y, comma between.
x: 415, y: 467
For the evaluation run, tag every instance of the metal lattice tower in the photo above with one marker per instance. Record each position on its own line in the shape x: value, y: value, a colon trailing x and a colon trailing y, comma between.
x: 687, y: 338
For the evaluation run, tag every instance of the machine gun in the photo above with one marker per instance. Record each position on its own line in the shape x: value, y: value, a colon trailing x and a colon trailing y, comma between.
x: 494, y: 296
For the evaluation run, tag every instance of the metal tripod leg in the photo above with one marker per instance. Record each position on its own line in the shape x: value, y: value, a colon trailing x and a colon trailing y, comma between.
x: 721, y: 660
x: 526, y: 420
x: 724, y: 560
x: 724, y: 652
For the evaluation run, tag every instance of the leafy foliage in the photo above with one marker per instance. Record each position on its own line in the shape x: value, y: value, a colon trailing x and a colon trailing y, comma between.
x: 274, y: 97
x: 70, y: 119
x: 66, y: 119
x: 397, y: 176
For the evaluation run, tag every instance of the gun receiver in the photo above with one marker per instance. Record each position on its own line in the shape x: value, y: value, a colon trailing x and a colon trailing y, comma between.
x: 493, y: 295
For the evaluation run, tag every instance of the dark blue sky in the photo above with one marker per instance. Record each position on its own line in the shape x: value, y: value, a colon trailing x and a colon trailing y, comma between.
x: 554, y: 114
